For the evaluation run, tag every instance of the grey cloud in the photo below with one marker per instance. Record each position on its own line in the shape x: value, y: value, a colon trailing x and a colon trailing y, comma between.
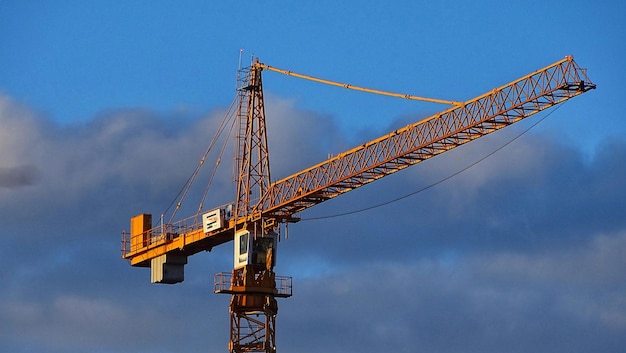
x: 516, y: 254
x: 487, y: 302
x: 15, y: 177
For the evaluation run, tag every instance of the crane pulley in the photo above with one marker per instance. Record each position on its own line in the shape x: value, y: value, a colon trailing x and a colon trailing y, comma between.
x: 261, y: 206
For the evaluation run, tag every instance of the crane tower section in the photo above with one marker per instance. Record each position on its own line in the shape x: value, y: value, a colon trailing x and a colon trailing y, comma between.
x: 252, y: 284
x: 253, y: 168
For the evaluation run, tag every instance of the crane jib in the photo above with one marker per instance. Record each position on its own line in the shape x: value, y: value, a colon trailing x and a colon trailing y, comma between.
x: 441, y: 132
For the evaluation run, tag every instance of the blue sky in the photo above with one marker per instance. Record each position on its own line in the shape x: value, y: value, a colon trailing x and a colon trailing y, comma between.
x: 106, y: 107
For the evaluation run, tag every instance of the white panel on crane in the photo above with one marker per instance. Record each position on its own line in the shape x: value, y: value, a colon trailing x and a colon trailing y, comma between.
x: 213, y: 220
x: 253, y: 250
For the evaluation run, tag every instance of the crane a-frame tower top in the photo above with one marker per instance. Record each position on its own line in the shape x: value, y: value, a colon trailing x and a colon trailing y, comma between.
x: 261, y: 206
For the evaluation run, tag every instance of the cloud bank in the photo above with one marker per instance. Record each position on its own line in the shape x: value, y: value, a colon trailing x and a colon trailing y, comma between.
x: 524, y: 252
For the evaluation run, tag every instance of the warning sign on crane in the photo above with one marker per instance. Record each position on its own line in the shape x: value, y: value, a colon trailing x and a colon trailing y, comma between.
x: 213, y: 220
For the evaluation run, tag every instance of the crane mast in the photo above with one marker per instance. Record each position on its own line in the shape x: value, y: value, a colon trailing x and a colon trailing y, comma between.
x: 261, y: 206
x: 253, y: 283
x: 253, y: 169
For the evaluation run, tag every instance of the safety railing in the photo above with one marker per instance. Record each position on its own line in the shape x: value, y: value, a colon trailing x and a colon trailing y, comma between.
x: 222, y: 283
x: 163, y: 232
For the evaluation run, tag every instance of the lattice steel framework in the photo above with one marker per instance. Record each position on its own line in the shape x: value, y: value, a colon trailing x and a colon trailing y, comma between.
x: 260, y: 205
x: 253, y: 178
x: 373, y: 160
x: 253, y: 310
x: 253, y: 314
x: 416, y: 142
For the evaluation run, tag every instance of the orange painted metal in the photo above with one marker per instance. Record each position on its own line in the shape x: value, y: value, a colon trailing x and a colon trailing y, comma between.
x: 373, y: 160
x: 261, y: 205
x: 414, y: 143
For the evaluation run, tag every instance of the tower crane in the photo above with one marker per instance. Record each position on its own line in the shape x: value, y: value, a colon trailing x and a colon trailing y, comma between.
x: 261, y: 207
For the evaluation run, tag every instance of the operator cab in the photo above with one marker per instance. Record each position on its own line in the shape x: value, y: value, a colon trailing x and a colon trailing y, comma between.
x: 254, y: 250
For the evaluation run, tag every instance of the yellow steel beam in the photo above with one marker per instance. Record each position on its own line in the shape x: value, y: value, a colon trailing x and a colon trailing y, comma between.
x: 357, y: 88
x: 383, y: 156
x: 422, y: 140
